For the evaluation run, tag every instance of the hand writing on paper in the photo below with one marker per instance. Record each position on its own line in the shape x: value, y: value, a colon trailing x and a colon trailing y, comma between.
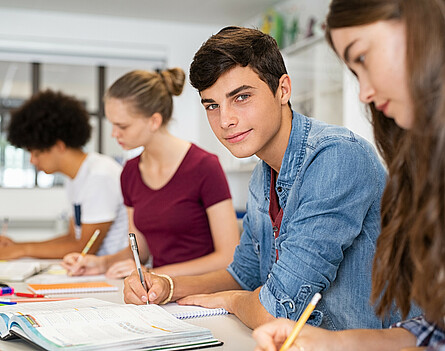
x: 5, y: 241
x: 75, y: 264
x: 270, y: 336
x: 134, y: 292
x: 121, y: 269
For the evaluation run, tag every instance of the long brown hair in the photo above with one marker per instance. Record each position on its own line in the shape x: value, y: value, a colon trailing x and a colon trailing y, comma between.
x: 149, y: 92
x: 410, y: 259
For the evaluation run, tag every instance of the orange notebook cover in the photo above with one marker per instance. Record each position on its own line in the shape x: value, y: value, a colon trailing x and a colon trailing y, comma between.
x: 69, y: 288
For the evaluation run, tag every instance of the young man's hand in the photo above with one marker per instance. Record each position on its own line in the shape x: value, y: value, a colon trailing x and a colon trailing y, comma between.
x: 5, y: 241
x: 121, y: 269
x: 222, y: 299
x: 75, y: 264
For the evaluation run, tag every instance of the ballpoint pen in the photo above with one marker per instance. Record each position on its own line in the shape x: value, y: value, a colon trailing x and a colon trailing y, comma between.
x: 134, y: 248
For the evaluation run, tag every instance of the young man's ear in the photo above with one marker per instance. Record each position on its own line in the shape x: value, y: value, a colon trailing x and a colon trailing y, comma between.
x: 284, y: 89
x: 60, y: 146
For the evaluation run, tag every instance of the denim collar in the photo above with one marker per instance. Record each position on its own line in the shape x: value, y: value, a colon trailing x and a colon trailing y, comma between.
x: 293, y: 156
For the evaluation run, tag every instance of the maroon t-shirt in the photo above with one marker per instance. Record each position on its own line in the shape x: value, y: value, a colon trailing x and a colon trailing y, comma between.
x: 173, y: 218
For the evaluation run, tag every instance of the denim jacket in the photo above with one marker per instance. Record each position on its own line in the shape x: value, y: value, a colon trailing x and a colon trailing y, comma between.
x: 329, y: 186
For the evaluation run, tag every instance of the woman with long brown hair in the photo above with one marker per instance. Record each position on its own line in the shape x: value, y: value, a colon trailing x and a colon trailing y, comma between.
x: 396, y: 49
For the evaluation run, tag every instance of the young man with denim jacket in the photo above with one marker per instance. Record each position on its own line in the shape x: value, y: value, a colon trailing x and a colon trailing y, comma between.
x: 314, y: 200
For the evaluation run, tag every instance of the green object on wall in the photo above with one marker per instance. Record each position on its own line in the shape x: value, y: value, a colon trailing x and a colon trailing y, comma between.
x: 273, y: 25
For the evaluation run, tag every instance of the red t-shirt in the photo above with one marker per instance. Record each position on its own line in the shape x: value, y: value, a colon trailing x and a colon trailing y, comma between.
x: 173, y: 218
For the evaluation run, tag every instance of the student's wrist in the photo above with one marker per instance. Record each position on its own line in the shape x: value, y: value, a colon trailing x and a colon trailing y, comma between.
x: 22, y: 250
x: 170, y: 289
x: 340, y: 340
x: 238, y: 299
x: 105, y: 262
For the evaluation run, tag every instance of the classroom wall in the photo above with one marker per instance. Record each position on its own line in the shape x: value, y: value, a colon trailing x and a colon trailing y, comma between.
x: 354, y: 112
x: 25, y: 30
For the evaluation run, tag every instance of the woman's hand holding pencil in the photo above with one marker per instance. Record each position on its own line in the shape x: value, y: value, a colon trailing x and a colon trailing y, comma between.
x: 284, y: 332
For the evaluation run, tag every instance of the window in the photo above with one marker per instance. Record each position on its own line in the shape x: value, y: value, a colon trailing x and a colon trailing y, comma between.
x: 19, y: 80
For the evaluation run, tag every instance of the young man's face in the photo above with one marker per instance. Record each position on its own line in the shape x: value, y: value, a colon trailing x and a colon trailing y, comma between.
x: 45, y: 160
x: 243, y: 112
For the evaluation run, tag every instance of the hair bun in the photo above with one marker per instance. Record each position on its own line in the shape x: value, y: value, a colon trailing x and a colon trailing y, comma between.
x: 174, y: 79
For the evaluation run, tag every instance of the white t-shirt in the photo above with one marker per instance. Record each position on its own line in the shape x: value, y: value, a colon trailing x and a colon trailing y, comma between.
x: 97, y: 189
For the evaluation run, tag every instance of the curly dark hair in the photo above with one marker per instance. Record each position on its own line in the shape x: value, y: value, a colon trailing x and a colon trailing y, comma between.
x: 48, y: 117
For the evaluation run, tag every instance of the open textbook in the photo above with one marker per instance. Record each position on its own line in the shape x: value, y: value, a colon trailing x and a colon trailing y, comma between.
x: 92, y: 324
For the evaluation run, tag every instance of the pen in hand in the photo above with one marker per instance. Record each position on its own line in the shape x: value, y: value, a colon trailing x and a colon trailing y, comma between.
x: 134, y: 249
x: 301, y: 322
x: 86, y: 248
x: 90, y: 243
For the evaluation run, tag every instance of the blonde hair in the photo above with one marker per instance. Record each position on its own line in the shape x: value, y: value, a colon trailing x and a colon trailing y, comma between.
x: 149, y: 92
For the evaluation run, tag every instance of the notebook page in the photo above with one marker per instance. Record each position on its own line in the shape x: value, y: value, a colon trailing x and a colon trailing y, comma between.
x: 187, y: 311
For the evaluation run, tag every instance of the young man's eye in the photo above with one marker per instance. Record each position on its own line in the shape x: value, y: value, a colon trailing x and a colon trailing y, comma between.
x: 242, y: 97
x: 360, y: 59
x: 211, y: 107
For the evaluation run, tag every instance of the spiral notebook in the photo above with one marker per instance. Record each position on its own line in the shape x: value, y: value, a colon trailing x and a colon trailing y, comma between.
x: 70, y: 288
x: 186, y: 312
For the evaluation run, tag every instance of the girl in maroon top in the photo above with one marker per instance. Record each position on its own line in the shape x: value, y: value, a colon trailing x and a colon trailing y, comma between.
x: 177, y: 196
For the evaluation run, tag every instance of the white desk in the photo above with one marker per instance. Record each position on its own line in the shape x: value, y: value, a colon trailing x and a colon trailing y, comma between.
x: 228, y: 328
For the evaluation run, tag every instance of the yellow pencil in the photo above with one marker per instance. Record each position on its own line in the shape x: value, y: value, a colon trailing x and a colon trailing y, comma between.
x: 90, y: 242
x: 300, y: 323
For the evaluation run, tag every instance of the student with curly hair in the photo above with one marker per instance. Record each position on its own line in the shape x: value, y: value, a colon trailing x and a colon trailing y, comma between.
x: 54, y: 128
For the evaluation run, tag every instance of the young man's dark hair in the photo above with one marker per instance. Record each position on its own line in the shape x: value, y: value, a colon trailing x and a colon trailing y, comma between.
x: 48, y: 117
x: 233, y: 46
